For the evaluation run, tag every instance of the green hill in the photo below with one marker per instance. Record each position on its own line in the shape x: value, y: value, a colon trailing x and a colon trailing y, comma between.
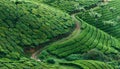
x: 88, y: 64
x: 89, y: 38
x: 105, y: 17
x: 30, y: 24
x: 59, y: 34
x: 69, y: 6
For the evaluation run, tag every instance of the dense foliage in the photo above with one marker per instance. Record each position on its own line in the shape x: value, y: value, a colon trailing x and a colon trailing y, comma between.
x: 23, y: 24
x: 69, y: 6
x: 89, y: 64
x: 105, y: 17
x: 89, y: 38
x: 23, y: 63
x: 26, y: 23
x: 59, y: 34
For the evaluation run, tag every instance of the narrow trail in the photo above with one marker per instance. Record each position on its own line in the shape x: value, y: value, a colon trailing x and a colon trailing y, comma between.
x: 35, y: 54
x: 73, y: 35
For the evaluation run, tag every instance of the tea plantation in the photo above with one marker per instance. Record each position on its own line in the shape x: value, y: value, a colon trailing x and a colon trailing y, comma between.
x: 59, y: 34
x: 105, y: 17
x: 69, y: 6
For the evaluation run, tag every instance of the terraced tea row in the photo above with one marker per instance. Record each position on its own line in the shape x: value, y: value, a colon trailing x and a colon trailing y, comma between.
x: 32, y: 25
x: 69, y: 6
x: 23, y: 63
x: 38, y: 23
x: 105, y: 17
x: 89, y: 38
x: 89, y: 64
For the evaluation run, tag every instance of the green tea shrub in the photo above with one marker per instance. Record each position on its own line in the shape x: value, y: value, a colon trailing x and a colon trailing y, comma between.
x: 95, y: 54
x: 51, y: 60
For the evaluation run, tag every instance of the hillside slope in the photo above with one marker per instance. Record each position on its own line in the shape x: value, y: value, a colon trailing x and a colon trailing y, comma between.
x: 105, y: 17
x: 24, y: 25
x: 69, y: 6
x: 59, y: 34
x: 28, y: 24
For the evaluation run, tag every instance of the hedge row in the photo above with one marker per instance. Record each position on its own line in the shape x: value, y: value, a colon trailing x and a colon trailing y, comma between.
x: 27, y: 23
x: 89, y: 38
x: 105, y: 17
x: 69, y: 6
x: 23, y: 63
x: 89, y: 64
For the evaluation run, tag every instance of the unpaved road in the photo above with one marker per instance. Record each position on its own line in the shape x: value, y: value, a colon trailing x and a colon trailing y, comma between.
x: 71, y: 36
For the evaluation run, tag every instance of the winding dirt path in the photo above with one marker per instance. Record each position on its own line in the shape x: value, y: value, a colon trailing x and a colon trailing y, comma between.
x: 74, y: 34
x: 34, y: 55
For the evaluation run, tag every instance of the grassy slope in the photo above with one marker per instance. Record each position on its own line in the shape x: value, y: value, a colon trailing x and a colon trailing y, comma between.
x: 69, y: 6
x: 103, y: 44
x: 27, y: 27
x: 86, y: 41
x: 35, y: 16
x: 107, y: 18
x: 27, y: 24
x: 89, y: 64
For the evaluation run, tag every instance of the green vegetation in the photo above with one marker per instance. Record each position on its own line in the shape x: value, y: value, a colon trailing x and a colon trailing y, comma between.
x: 23, y: 63
x: 89, y: 64
x: 59, y: 34
x: 89, y: 38
x: 69, y: 6
x: 92, y: 54
x: 26, y: 23
x: 105, y: 17
x: 29, y: 26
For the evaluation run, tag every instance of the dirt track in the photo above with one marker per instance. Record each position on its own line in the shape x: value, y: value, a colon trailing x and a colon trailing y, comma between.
x: 35, y: 54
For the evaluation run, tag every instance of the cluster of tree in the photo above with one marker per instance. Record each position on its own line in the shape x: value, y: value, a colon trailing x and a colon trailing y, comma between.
x: 69, y: 6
